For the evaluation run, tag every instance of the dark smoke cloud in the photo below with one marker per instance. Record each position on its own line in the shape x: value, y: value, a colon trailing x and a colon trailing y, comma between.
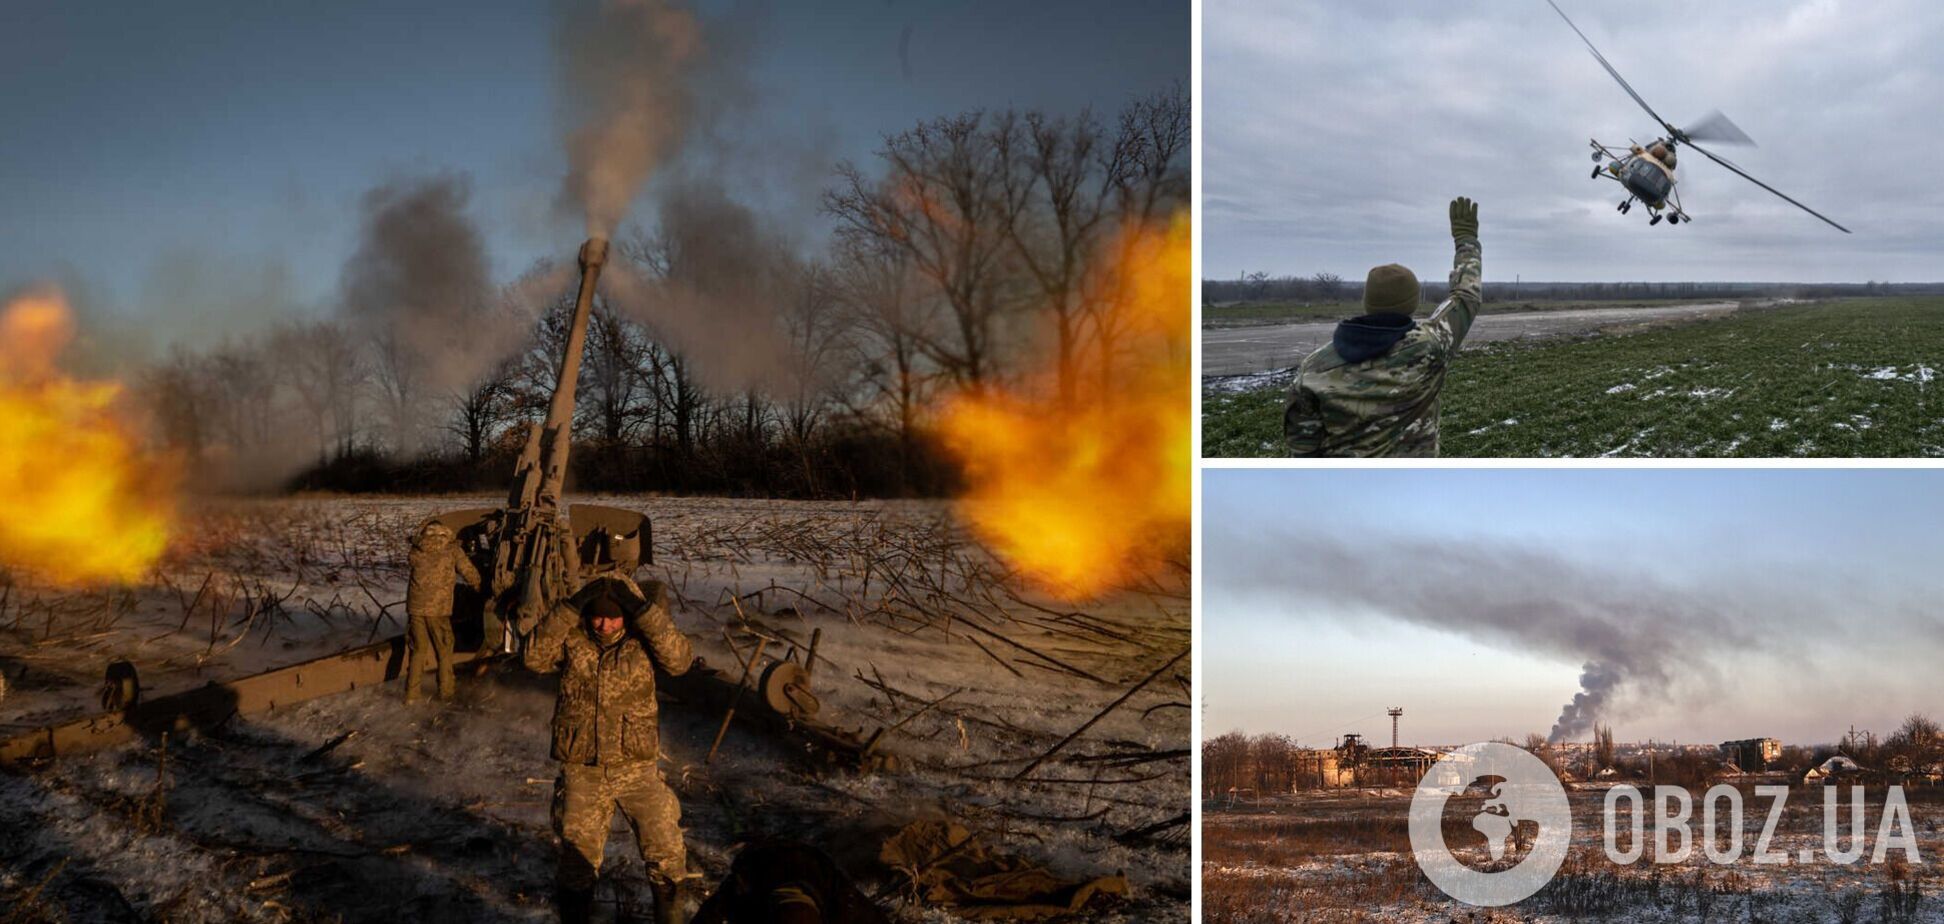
x: 419, y: 277
x: 624, y: 68
x: 715, y: 282
x: 1637, y: 636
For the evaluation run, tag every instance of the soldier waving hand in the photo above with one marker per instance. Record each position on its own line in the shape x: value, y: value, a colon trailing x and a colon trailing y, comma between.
x: 1374, y: 390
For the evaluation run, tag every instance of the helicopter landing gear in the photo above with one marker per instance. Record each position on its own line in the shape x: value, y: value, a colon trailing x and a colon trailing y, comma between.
x: 1626, y: 206
x: 1596, y: 169
x: 1655, y: 220
x: 1596, y: 157
x: 1673, y: 220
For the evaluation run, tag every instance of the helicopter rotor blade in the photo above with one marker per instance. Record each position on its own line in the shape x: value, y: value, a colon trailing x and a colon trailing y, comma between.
x: 1624, y: 85
x: 1717, y: 128
x: 1744, y: 175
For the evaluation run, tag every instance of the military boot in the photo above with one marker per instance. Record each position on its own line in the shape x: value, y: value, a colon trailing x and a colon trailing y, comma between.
x: 576, y: 906
x: 668, y: 902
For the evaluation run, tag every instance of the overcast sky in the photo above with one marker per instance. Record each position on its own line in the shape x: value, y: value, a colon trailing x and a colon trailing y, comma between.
x: 1786, y: 603
x: 1334, y: 134
x: 164, y: 154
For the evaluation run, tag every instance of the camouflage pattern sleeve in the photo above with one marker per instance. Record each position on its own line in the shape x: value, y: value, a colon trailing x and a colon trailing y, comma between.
x: 542, y: 654
x: 670, y: 647
x: 1302, y: 422
x: 1453, y: 319
x: 468, y: 575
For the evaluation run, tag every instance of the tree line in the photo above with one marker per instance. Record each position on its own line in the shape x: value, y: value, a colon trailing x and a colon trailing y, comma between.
x: 1329, y: 287
x: 968, y: 250
x: 1267, y: 764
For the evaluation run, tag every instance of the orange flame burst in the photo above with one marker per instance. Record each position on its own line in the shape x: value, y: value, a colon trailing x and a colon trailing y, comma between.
x: 1086, y: 495
x: 80, y: 502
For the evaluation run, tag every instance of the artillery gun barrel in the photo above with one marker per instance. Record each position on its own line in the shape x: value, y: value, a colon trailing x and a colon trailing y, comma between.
x: 542, y: 472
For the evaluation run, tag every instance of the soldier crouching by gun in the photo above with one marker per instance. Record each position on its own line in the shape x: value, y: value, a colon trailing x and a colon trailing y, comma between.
x: 605, y: 641
x: 438, y: 565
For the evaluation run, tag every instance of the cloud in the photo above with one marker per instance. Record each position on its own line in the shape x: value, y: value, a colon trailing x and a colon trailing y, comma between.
x: 1640, y: 638
x: 1333, y: 134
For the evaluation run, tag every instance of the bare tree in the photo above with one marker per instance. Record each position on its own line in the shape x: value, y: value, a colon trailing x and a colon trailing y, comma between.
x: 943, y: 201
x: 1059, y: 196
x: 177, y: 396
x: 324, y: 370
x: 1329, y: 286
x: 478, y: 412
x: 886, y: 304
x: 395, y: 366
x: 615, y: 375
x: 1226, y: 761
x: 1917, y: 745
x: 1148, y: 173
x: 815, y: 331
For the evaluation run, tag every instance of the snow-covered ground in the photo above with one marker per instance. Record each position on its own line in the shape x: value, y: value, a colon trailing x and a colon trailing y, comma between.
x: 430, y: 813
x: 1344, y: 855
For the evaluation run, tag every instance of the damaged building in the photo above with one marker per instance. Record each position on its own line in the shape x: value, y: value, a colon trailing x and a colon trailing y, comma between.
x: 1752, y: 755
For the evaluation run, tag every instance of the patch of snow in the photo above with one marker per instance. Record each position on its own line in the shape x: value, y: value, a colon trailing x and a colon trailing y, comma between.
x: 1621, y: 388
x: 1254, y: 381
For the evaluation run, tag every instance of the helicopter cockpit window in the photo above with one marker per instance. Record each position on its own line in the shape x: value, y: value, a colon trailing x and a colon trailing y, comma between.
x: 1648, y: 181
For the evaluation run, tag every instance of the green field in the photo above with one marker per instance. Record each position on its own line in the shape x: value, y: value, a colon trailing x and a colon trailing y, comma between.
x: 1855, y: 378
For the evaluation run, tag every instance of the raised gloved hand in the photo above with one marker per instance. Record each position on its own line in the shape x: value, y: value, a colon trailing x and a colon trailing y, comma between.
x: 1464, y: 218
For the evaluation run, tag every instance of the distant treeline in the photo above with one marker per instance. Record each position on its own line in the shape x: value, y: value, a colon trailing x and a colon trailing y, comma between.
x: 802, y: 372
x: 1329, y: 287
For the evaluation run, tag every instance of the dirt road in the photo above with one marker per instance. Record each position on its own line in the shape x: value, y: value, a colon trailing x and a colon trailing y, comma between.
x: 1247, y: 350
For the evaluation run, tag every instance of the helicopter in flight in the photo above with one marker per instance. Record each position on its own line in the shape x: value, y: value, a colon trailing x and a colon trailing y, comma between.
x: 1646, y: 172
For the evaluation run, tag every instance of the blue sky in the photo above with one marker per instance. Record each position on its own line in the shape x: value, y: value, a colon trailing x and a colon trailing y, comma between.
x: 1772, y: 602
x: 198, y: 149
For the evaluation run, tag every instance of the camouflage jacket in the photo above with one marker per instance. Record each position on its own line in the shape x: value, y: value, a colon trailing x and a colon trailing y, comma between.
x: 1386, y: 405
x: 436, y: 569
x: 605, y: 712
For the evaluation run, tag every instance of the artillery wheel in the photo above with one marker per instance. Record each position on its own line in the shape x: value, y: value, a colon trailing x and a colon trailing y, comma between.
x: 786, y: 690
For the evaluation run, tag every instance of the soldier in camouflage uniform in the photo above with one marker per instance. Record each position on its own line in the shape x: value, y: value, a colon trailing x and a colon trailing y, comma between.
x: 1374, y: 390
x: 606, y: 641
x: 438, y: 565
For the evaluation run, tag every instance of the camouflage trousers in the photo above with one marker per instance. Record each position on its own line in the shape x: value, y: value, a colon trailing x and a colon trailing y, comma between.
x: 428, y: 639
x: 585, y: 798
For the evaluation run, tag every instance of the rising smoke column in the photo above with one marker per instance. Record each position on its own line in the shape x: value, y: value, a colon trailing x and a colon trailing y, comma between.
x: 1636, y: 637
x: 419, y: 281
x: 722, y: 278
x: 1577, y: 718
x: 624, y: 67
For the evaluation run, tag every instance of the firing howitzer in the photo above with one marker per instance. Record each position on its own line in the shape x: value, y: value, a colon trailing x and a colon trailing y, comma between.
x: 530, y: 555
